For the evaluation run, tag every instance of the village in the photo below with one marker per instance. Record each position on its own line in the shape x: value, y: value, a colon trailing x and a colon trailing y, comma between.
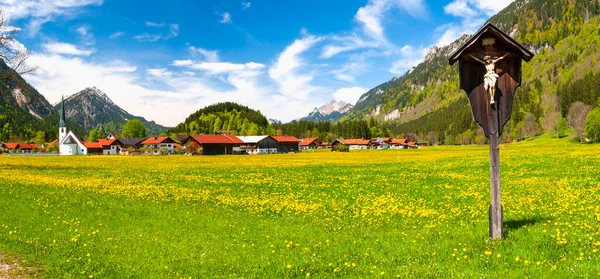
x: 225, y: 142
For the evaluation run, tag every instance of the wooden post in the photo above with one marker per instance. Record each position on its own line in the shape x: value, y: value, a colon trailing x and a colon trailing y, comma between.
x: 496, y: 206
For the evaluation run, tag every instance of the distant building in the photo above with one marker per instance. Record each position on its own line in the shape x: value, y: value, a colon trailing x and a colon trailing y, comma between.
x: 286, y: 144
x: 11, y: 147
x: 351, y: 144
x: 158, y: 143
x: 399, y: 143
x: 213, y: 144
x: 258, y: 144
x: 110, y: 146
x: 136, y: 143
x: 310, y: 143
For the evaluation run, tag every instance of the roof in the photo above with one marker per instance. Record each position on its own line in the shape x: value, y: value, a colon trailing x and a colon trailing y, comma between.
x: 412, y: 143
x: 52, y: 142
x: 354, y: 141
x: 92, y: 145
x: 399, y: 141
x: 11, y: 145
x: 105, y: 142
x: 132, y: 141
x: 215, y: 139
x: 307, y: 141
x: 157, y: 140
x: 325, y: 143
x: 506, y: 39
x: 286, y: 139
x: 252, y: 139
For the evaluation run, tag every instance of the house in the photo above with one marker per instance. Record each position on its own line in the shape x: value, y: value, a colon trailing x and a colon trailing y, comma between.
x: 112, y: 135
x: 357, y: 143
x: 93, y: 148
x: 412, y: 144
x: 159, y: 143
x: 12, y: 147
x: 399, y: 143
x: 381, y: 143
x: 110, y: 146
x: 136, y: 143
x: 338, y: 145
x: 310, y: 143
x: 350, y: 144
x: 287, y: 144
x: 258, y: 144
x: 325, y: 145
x: 213, y: 144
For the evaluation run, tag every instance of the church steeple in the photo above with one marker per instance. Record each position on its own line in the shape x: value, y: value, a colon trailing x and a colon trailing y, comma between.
x: 62, y: 114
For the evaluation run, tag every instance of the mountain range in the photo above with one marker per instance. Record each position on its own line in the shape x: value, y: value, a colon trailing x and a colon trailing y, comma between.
x: 331, y: 112
x: 91, y: 108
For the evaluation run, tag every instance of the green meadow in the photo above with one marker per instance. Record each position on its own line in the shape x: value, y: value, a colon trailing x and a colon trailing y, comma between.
x: 393, y: 213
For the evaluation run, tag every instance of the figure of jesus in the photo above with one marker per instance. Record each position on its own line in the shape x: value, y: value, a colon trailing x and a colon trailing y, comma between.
x: 490, y: 77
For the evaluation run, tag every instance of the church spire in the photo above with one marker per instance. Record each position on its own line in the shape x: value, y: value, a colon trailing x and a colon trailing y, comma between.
x: 62, y: 114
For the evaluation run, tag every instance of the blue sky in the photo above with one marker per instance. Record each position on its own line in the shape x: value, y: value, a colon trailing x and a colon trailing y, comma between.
x: 165, y: 59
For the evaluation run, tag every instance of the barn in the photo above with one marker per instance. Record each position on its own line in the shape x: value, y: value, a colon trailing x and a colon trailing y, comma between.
x: 310, y: 143
x: 214, y: 144
x: 258, y: 144
x: 287, y: 144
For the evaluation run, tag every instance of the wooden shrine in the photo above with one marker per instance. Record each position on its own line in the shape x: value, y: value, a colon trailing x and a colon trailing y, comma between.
x: 490, y: 72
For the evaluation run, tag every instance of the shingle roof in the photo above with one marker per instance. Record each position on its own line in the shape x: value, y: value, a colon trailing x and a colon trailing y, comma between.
x: 106, y: 143
x: 355, y: 141
x: 399, y: 141
x: 215, y: 139
x: 286, y: 139
x: 157, y: 140
x: 132, y: 141
x: 93, y: 145
x: 307, y: 141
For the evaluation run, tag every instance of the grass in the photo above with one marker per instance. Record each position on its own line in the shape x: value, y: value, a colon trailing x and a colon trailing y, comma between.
x: 407, y: 213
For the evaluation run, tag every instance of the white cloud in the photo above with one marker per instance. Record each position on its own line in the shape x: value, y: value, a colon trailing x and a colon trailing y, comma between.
x: 349, y: 94
x: 41, y: 12
x: 154, y: 24
x: 209, y: 55
x: 225, y: 17
x: 410, y: 56
x: 285, y: 72
x: 473, y: 14
x: 246, y: 5
x: 116, y: 35
x: 160, y: 73
x: 346, y: 43
x: 64, y: 48
x: 85, y: 35
x: 370, y: 17
x: 147, y: 37
x: 174, y: 30
x: 218, y: 67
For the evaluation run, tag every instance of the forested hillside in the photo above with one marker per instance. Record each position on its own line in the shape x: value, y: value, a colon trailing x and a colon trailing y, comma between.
x: 225, y: 116
x: 563, y: 34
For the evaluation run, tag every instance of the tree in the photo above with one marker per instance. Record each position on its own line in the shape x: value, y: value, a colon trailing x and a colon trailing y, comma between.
x: 95, y: 134
x: 134, y: 128
x: 530, y: 126
x: 592, y: 124
x: 576, y: 118
x: 40, y: 138
x: 164, y: 150
x: 561, y: 128
x: 12, y: 52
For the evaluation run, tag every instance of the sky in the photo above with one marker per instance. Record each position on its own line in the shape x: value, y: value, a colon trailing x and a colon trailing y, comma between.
x: 164, y: 60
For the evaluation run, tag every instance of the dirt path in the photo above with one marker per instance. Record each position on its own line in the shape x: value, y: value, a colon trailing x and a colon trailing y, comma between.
x: 11, y: 268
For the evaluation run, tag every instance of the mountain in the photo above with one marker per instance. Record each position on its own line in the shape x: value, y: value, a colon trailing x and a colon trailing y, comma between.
x: 23, y: 110
x: 331, y: 111
x: 93, y: 109
x: 427, y: 100
x: 228, y: 116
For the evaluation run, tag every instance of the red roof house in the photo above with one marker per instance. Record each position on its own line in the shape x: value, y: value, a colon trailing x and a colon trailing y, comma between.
x: 213, y: 144
x: 287, y: 144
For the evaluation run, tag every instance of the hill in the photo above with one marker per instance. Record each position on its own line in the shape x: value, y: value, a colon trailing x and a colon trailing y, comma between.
x: 225, y: 116
x: 563, y: 35
x: 93, y: 109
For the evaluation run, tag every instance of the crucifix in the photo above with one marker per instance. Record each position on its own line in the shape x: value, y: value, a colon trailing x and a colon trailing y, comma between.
x: 491, y: 91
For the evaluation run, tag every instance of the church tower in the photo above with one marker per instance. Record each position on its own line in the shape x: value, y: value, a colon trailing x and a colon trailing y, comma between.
x: 62, y: 126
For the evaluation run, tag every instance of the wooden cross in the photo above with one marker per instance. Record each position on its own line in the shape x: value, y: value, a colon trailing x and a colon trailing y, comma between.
x: 489, y: 45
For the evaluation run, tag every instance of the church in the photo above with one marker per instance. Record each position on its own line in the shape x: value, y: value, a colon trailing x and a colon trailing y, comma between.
x: 69, y: 143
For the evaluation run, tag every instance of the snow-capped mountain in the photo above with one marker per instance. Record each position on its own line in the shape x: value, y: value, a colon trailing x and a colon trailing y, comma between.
x: 331, y: 111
